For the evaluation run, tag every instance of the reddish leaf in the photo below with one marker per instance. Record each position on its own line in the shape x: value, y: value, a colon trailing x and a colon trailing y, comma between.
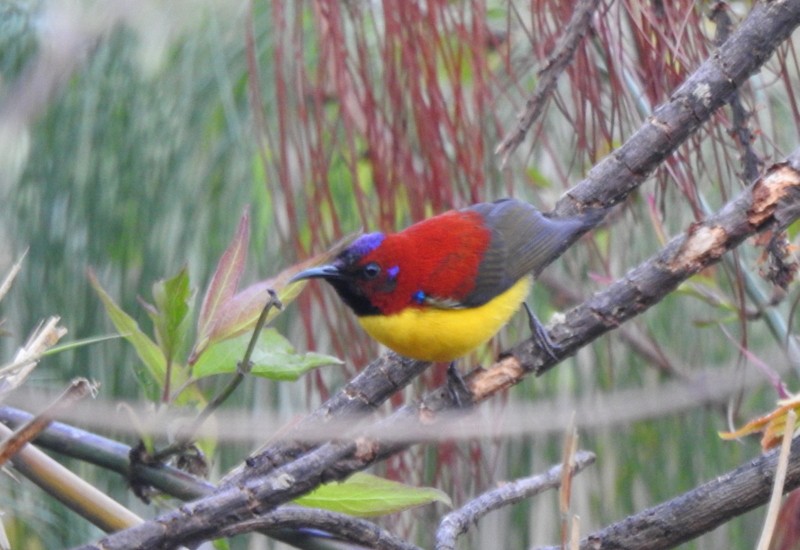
x: 225, y: 280
x: 787, y: 528
x: 240, y: 312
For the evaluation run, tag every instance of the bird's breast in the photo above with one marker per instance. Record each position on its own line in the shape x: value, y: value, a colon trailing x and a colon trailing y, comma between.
x: 433, y: 334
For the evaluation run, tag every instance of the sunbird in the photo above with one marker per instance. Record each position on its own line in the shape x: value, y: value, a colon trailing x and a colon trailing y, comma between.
x: 446, y: 285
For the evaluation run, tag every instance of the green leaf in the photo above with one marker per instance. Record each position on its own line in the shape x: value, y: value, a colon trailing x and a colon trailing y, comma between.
x: 365, y: 495
x: 273, y: 357
x: 151, y: 356
x: 170, y: 314
x: 75, y: 344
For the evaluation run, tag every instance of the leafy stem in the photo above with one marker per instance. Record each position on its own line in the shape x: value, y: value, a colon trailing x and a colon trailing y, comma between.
x: 186, y: 435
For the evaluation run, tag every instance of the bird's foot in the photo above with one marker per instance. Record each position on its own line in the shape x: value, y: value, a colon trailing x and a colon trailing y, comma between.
x: 457, y: 387
x: 540, y: 334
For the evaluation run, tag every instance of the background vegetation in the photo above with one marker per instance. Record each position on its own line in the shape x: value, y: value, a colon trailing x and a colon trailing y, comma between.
x: 326, y: 117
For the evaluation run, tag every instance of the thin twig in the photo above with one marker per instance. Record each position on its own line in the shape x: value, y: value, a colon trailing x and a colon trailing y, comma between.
x: 78, y: 389
x: 9, y: 278
x: 186, y: 435
x: 720, y: 14
x: 548, y: 77
x: 350, y: 529
x: 457, y: 522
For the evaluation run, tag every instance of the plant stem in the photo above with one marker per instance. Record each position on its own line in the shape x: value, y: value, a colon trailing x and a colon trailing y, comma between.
x: 186, y: 435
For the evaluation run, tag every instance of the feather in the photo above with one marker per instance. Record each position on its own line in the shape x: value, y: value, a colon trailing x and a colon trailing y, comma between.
x: 523, y: 242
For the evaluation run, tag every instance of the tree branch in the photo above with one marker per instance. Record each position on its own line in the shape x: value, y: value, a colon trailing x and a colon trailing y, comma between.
x: 111, y: 455
x: 707, y: 89
x: 201, y: 519
x: 458, y: 521
x: 699, y: 510
x: 348, y: 528
x: 560, y: 59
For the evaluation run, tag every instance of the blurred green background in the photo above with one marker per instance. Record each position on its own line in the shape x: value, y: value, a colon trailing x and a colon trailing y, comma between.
x: 327, y: 117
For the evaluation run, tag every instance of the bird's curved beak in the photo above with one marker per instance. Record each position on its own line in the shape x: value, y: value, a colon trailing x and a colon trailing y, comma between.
x: 329, y: 271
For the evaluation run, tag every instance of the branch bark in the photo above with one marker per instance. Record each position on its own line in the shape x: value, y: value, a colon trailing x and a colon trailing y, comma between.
x: 701, y: 509
x: 707, y: 89
x: 201, y: 519
x: 458, y: 521
x: 349, y: 528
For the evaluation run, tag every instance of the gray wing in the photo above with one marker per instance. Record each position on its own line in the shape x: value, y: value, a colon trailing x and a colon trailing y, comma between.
x: 524, y: 241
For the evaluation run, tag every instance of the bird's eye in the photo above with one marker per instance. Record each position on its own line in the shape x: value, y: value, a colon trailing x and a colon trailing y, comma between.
x: 371, y: 270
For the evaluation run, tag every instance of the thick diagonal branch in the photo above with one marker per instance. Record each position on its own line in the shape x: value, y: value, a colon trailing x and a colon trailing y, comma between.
x: 700, y: 510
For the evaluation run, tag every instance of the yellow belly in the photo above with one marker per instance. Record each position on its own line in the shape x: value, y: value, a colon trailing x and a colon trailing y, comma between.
x: 445, y: 334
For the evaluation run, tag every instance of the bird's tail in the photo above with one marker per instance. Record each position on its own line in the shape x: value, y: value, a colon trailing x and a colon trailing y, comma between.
x: 565, y: 232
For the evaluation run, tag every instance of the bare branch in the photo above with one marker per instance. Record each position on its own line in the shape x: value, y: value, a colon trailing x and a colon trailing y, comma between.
x: 458, y: 521
x: 560, y: 59
x: 78, y: 389
x: 347, y: 528
x: 756, y: 209
x: 201, y: 519
x: 700, y: 510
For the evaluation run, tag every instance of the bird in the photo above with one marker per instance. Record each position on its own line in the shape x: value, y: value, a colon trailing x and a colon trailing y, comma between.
x: 444, y: 286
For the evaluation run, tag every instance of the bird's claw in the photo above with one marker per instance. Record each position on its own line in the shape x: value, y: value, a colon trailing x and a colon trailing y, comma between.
x: 540, y: 334
x: 457, y: 387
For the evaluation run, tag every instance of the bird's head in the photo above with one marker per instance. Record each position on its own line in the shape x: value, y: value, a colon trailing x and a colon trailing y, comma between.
x: 364, y: 276
x: 433, y: 263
